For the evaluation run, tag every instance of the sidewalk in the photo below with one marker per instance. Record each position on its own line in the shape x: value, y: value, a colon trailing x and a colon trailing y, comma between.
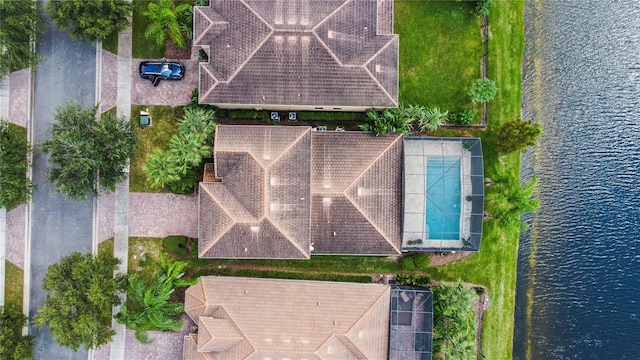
x: 14, y: 106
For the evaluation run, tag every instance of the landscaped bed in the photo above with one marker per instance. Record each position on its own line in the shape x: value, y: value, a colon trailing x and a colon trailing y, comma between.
x: 152, y: 137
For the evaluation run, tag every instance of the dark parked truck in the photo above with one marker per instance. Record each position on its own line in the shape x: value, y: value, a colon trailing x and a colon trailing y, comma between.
x: 161, y: 70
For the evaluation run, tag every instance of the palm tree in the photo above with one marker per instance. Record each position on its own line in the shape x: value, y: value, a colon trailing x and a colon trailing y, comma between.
x: 188, y: 150
x: 149, y: 305
x: 430, y: 120
x: 508, y: 200
x: 163, y: 18
x: 160, y: 169
x: 389, y: 121
x: 197, y: 120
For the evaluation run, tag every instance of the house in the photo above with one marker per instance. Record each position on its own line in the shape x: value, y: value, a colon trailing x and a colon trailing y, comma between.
x: 288, y: 191
x: 245, y: 318
x: 338, y: 55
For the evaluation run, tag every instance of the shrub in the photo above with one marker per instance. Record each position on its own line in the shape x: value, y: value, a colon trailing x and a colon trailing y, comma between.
x: 463, y: 118
x: 171, y: 244
x: 483, y: 90
x: 421, y: 260
x: 482, y: 8
x: 412, y: 280
x: 407, y: 263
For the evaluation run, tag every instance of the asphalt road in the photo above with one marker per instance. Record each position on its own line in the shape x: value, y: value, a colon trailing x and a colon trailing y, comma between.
x: 58, y: 226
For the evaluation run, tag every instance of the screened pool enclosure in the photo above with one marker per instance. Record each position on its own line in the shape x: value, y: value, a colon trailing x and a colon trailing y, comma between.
x: 443, y: 194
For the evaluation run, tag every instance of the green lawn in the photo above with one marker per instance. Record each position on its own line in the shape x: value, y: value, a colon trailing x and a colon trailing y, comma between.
x: 13, y: 285
x: 111, y: 43
x: 147, y: 266
x: 106, y: 247
x: 143, y: 48
x: 440, y: 52
x: 496, y: 264
x: 152, y: 137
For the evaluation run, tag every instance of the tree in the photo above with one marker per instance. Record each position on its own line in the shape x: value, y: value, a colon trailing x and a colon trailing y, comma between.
x: 15, y: 187
x: 387, y: 122
x: 160, y: 169
x: 82, y: 291
x: 14, y: 346
x: 198, y: 120
x: 188, y: 150
x: 164, y: 19
x: 179, y: 166
x: 517, y: 135
x: 483, y: 8
x: 90, y: 20
x: 483, y: 90
x: 431, y: 119
x: 507, y: 200
x: 454, y: 321
x: 149, y: 305
x: 21, y: 24
x: 86, y: 154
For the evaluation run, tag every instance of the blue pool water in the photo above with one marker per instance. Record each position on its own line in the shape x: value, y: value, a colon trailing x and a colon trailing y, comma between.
x: 443, y: 198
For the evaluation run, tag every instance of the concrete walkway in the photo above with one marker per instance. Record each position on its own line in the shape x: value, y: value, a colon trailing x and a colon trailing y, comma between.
x: 121, y: 204
x: 4, y: 114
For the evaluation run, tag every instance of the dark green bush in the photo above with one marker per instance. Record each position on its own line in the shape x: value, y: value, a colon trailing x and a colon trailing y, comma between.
x: 412, y: 280
x: 171, y: 244
x: 248, y: 114
x: 407, y: 263
x: 463, y: 118
x: 421, y: 260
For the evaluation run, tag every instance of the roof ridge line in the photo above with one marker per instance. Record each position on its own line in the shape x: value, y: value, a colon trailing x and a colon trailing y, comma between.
x: 387, y: 289
x: 326, y: 47
x: 202, y: 66
x: 244, y: 335
x: 233, y: 222
x: 313, y: 30
x: 204, y: 301
x: 330, y: 15
x: 271, y: 31
x: 197, y: 8
x: 266, y: 218
x: 395, y: 102
x: 384, y: 151
x: 297, y: 140
x: 399, y: 250
x: 256, y: 14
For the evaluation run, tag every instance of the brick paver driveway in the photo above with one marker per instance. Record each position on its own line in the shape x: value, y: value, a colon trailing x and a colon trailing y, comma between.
x: 168, y: 92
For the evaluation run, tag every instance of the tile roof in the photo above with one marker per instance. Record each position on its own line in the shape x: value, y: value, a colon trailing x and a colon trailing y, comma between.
x: 243, y: 318
x: 293, y: 52
x: 261, y: 207
x: 356, y: 184
x: 284, y: 188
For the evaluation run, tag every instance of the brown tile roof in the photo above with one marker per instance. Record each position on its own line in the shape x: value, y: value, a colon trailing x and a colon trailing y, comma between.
x: 284, y: 188
x: 243, y: 318
x: 262, y: 206
x: 356, y: 184
x: 291, y: 52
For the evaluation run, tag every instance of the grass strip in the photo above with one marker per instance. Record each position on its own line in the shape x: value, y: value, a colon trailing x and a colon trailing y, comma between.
x: 13, y: 285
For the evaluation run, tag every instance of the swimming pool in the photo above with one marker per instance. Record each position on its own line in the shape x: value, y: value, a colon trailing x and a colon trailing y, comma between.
x: 443, y: 198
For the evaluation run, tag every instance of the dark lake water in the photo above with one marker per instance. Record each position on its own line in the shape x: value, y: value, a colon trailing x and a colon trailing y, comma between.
x: 578, y: 289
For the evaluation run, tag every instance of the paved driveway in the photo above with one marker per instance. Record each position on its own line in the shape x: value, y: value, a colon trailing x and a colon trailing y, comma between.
x: 58, y: 226
x: 168, y: 92
x: 151, y: 215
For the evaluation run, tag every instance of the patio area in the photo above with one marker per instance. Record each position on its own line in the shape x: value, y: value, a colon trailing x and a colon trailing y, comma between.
x: 410, y: 335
